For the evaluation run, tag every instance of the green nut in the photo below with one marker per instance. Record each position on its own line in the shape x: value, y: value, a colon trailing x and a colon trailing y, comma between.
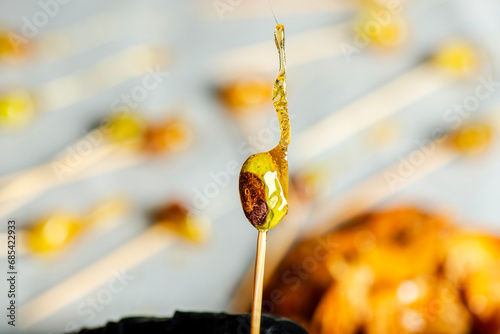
x: 264, y: 190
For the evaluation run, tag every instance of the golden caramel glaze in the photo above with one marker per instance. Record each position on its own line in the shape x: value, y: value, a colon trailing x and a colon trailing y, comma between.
x: 279, y: 89
x: 271, y: 168
x: 280, y: 152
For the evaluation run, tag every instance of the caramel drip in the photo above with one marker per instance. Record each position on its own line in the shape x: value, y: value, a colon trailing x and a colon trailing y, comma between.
x: 279, y: 89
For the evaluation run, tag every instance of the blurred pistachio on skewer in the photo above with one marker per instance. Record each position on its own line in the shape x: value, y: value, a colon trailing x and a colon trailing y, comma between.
x: 246, y: 94
x: 17, y: 108
x: 309, y: 183
x: 459, y: 58
x: 126, y: 129
x: 247, y: 100
x: 177, y: 218
x: 13, y: 48
x: 381, y: 28
x: 172, y: 135
x: 58, y: 230
x: 53, y: 234
x: 131, y: 130
x: 126, y: 134
x: 474, y: 137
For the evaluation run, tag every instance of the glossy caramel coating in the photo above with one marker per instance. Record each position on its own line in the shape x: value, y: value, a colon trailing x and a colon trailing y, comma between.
x: 267, y: 172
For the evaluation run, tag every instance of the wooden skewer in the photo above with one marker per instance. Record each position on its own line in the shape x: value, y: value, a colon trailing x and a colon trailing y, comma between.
x: 411, y: 86
x: 279, y: 243
x: 258, y: 288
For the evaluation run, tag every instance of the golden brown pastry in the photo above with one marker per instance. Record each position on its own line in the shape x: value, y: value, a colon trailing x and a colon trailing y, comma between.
x: 396, y: 271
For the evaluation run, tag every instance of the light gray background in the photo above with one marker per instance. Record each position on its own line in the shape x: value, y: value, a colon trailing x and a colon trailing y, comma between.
x: 189, y: 277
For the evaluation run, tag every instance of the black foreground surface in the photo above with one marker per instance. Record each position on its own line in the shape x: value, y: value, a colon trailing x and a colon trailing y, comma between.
x: 191, y: 322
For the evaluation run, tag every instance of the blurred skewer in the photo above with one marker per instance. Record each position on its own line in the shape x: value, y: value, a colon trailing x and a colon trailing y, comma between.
x: 122, y: 159
x: 373, y: 107
x: 40, y: 178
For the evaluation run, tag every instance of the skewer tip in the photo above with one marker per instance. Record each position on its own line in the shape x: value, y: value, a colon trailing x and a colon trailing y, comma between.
x: 274, y: 15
